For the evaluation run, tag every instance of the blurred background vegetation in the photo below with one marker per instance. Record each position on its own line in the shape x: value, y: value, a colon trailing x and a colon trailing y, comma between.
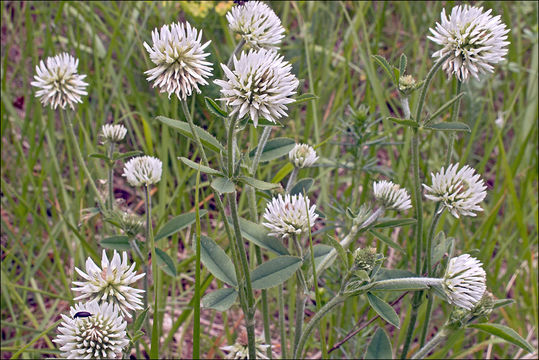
x: 46, y: 231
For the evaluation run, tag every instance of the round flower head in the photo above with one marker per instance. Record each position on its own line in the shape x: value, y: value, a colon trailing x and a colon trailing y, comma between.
x: 143, y: 170
x: 58, y: 82
x: 113, y: 133
x: 474, y: 39
x: 392, y: 195
x: 464, y: 281
x: 111, y: 283
x: 289, y: 216
x: 260, y: 85
x: 179, y: 57
x: 460, y: 192
x: 257, y: 24
x: 302, y: 155
x: 98, y: 336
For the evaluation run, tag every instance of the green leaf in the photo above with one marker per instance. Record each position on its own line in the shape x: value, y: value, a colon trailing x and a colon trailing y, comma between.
x: 384, y: 64
x: 305, y: 97
x: 178, y: 223
x: 302, y: 186
x: 214, y: 108
x: 379, y: 347
x: 100, y: 156
x: 165, y: 262
x: 403, y: 61
x: 217, y: 261
x: 396, y: 75
x: 285, y: 170
x: 274, y: 272
x: 442, y: 247
x: 320, y: 252
x: 387, y: 240
x: 405, y: 122
x: 207, y: 139
x: 338, y: 248
x: 502, y: 303
x: 383, y: 309
x: 505, y: 333
x: 118, y: 242
x: 258, y: 184
x: 449, y: 126
x: 197, y: 166
x: 220, y: 300
x: 395, y: 223
x: 223, y: 185
x: 258, y: 234
x: 119, y: 156
x: 140, y: 319
x: 443, y: 108
x: 274, y: 149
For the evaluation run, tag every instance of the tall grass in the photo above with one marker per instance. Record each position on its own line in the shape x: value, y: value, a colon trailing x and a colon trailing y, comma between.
x: 46, y: 223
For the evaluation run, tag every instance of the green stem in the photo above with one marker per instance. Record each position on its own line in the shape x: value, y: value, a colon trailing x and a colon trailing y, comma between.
x: 292, y: 179
x: 428, y: 269
x: 435, y: 341
x: 340, y: 298
x: 111, y: 176
x: 236, y: 51
x: 196, y: 312
x: 300, y: 310
x: 135, y: 247
x: 154, y: 350
x: 71, y: 134
x: 418, y: 200
x: 281, y: 323
x: 454, y: 115
x: 260, y: 148
x: 232, y: 199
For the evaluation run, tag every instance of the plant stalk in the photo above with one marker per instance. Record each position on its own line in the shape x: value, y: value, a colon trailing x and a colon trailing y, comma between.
x: 292, y: 179
x: 154, y: 350
x: 281, y: 323
x: 454, y: 115
x: 418, y: 199
x: 435, y: 341
x: 196, y: 312
x: 111, y: 177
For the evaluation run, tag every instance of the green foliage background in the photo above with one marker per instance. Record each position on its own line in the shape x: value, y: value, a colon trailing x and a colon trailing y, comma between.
x: 44, y: 229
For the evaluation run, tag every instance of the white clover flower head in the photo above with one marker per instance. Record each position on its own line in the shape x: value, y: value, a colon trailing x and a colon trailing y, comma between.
x: 261, y: 85
x: 99, y: 336
x: 58, y: 82
x: 143, y: 170
x: 474, y: 39
x: 257, y: 24
x: 459, y: 191
x: 392, y: 195
x: 464, y: 281
x: 179, y: 58
x: 111, y: 283
x: 302, y: 155
x: 113, y: 133
x: 288, y: 216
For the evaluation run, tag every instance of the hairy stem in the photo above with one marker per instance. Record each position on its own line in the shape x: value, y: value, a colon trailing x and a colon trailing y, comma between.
x: 281, y: 323
x: 292, y: 179
x: 154, y: 350
x: 111, y: 177
x: 454, y: 115
x: 435, y: 341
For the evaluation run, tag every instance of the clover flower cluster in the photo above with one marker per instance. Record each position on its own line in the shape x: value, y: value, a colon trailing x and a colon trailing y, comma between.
x: 96, y: 329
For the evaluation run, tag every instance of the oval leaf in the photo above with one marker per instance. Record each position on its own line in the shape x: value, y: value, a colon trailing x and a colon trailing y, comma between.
x: 379, y: 347
x: 214, y: 108
x: 223, y: 185
x: 178, y: 223
x: 217, y: 261
x: 274, y: 272
x: 165, y: 262
x: 220, y: 300
x: 383, y: 309
x: 275, y: 148
x: 258, y: 184
x: 118, y: 242
x: 449, y: 126
x: 505, y: 333
x: 197, y: 166
x: 140, y: 319
x: 302, y: 186
x: 405, y: 122
x: 258, y: 234
x: 207, y: 139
